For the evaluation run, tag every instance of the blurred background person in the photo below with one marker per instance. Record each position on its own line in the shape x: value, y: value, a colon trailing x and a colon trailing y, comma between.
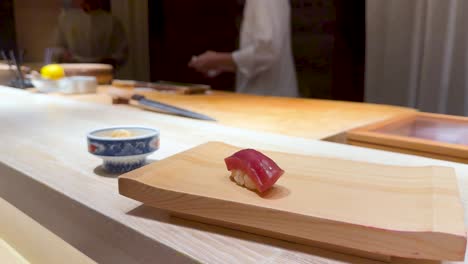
x: 264, y: 62
x: 86, y: 32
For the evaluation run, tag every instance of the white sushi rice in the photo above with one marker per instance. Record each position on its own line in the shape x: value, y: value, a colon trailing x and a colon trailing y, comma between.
x: 242, y: 179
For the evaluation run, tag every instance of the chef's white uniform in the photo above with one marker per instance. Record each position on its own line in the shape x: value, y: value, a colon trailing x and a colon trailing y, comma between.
x: 264, y: 60
x: 91, y: 36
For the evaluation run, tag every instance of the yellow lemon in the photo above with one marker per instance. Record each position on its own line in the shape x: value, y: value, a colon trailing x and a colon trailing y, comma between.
x: 52, y: 71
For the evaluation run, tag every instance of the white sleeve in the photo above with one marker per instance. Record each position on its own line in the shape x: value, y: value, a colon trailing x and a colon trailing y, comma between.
x: 267, y: 23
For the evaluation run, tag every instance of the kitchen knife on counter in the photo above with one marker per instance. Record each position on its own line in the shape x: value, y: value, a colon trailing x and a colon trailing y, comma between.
x: 181, y: 88
x: 120, y: 96
x: 158, y: 106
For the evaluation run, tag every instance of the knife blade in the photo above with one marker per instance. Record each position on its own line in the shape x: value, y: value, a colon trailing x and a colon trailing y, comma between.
x: 158, y: 106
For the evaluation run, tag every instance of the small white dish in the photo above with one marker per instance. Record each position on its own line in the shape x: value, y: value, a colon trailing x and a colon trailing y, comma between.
x: 78, y: 84
x: 45, y: 85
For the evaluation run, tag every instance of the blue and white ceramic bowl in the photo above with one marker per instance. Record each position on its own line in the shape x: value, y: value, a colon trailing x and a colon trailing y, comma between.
x: 123, y: 154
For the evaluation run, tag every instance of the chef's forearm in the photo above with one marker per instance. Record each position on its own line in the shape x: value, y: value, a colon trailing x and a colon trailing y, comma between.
x: 226, y: 61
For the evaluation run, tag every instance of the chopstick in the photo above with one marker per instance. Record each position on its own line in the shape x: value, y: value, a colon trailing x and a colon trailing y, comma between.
x: 18, y: 69
x: 20, y: 63
x: 10, y: 67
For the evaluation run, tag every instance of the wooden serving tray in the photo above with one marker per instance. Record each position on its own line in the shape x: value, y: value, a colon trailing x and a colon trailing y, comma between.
x: 424, y: 134
x: 179, y: 88
x: 360, y: 208
x: 102, y: 72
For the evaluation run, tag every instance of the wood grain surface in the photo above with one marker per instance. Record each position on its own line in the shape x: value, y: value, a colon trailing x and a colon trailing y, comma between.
x: 9, y: 255
x: 26, y: 241
x: 395, y: 211
x: 46, y: 172
x: 306, y: 118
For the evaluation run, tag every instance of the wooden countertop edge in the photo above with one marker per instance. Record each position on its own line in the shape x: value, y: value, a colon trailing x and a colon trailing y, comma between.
x: 81, y: 226
x: 34, y: 242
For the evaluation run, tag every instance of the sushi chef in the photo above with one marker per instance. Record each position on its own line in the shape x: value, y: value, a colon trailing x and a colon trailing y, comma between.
x: 264, y: 62
x: 88, y: 33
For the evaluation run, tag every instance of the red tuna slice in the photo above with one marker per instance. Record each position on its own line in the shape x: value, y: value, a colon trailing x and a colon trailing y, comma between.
x: 262, y: 170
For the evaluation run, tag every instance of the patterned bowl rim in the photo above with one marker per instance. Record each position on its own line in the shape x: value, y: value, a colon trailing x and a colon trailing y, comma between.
x: 125, y: 158
x: 152, y: 132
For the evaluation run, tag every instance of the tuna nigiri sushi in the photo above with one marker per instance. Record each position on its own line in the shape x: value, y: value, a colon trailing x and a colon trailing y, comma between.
x: 252, y: 169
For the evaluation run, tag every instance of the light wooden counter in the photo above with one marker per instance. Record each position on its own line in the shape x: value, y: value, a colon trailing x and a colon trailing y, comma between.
x: 307, y: 118
x: 46, y: 172
x: 22, y: 241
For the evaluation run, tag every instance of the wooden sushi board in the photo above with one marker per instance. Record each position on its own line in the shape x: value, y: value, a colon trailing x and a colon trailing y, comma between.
x: 360, y: 208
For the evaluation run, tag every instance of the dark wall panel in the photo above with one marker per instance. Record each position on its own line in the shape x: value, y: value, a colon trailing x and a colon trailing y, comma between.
x: 180, y: 29
x: 7, y: 25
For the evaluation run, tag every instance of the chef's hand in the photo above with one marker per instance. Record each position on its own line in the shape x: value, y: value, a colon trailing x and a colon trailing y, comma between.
x: 213, y: 63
